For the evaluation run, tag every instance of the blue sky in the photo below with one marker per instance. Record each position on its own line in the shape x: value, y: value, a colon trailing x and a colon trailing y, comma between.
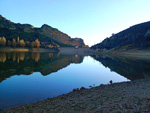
x: 92, y: 20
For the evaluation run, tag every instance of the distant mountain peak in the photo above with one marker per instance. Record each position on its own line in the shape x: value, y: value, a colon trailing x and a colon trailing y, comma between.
x: 45, y: 26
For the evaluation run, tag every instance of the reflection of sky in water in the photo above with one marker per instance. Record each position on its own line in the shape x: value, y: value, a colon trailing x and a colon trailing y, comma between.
x: 26, y: 89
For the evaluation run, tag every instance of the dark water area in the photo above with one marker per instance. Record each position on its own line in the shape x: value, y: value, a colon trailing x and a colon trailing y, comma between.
x: 130, y: 67
x: 27, y: 77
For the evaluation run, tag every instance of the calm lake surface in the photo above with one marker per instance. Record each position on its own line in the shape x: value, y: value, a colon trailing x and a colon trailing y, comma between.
x: 30, y: 77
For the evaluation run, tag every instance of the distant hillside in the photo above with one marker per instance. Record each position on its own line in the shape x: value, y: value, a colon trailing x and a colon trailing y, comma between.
x: 44, y: 34
x: 135, y: 37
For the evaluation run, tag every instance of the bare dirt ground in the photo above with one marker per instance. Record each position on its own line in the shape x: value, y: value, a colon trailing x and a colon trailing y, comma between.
x: 132, y: 97
x: 72, y: 50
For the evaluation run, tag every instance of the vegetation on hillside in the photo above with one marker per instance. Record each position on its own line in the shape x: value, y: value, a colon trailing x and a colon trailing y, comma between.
x: 137, y: 36
x: 45, y: 34
x: 17, y: 42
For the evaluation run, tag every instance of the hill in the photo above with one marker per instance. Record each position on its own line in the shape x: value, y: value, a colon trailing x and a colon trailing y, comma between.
x: 45, y: 34
x: 135, y: 37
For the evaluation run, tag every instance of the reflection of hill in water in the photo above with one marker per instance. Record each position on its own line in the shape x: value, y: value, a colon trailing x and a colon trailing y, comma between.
x: 27, y: 63
x: 130, y: 68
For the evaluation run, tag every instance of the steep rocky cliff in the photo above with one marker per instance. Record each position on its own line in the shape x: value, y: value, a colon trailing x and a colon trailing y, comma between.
x: 45, y: 33
x: 135, y: 37
x: 60, y: 36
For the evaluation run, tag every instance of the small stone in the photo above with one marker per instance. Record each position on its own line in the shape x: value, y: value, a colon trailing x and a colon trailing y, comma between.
x: 89, y: 96
x: 147, y: 98
x: 82, y: 88
x: 77, y: 89
x: 90, y: 86
x: 110, y: 82
x: 128, y: 107
x: 73, y: 105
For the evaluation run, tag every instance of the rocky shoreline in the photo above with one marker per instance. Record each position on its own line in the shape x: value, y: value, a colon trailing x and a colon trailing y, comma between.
x: 131, y: 96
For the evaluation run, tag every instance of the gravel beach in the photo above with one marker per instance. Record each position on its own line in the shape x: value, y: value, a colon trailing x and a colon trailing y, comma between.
x: 123, y: 97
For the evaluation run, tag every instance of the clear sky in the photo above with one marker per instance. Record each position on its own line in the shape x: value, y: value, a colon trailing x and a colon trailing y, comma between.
x: 92, y: 20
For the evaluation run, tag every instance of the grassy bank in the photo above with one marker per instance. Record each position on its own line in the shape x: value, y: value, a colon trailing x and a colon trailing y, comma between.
x: 7, y: 49
x: 118, y: 97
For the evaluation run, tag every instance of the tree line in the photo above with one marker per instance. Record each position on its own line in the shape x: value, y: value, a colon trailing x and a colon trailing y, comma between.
x: 21, y: 43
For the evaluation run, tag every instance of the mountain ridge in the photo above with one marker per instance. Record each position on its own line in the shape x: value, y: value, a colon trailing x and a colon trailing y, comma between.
x: 45, y: 31
x: 134, y: 37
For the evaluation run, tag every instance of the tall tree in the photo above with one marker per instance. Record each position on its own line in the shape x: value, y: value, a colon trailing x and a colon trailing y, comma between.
x: 18, y: 41
x: 9, y: 43
x: 32, y: 44
x: 28, y: 44
x: 37, y: 43
x: 14, y: 43
x: 22, y: 43
x: 2, y: 41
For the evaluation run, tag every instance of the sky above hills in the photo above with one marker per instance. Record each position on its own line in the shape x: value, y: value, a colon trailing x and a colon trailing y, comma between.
x: 92, y: 20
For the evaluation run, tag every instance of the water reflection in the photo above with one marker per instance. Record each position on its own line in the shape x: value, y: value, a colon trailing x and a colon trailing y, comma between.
x: 26, y: 63
x: 2, y: 57
x: 132, y: 67
x: 23, y: 89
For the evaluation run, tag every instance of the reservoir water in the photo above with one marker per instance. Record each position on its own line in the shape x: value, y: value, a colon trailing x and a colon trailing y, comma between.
x: 30, y: 77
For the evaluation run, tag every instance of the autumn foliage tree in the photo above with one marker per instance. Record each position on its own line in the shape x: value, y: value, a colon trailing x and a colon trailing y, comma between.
x: 22, y: 43
x: 37, y: 43
x: 9, y: 43
x: 18, y: 41
x: 32, y: 44
x: 2, y: 41
x: 14, y: 43
x: 50, y: 46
